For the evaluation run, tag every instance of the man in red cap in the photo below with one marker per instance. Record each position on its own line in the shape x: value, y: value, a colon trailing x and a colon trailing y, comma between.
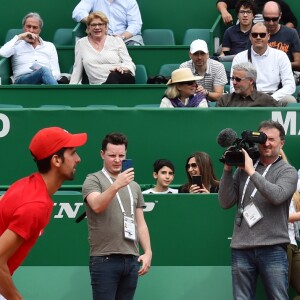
x: 26, y: 207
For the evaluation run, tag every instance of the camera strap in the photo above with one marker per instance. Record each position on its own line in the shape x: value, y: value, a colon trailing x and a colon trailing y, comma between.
x: 247, y: 182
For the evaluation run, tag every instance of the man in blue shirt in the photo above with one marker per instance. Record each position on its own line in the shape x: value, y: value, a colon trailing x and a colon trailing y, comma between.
x: 124, y: 17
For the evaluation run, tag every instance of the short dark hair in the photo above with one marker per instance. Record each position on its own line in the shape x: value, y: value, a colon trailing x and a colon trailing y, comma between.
x: 247, y: 4
x: 273, y: 124
x: 160, y: 163
x: 115, y: 138
x: 44, y: 165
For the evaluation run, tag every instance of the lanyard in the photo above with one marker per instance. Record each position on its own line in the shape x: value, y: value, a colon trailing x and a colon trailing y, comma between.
x: 247, y: 182
x: 118, y: 196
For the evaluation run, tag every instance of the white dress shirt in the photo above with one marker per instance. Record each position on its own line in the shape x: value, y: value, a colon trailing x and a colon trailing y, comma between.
x: 272, y: 68
x: 24, y: 55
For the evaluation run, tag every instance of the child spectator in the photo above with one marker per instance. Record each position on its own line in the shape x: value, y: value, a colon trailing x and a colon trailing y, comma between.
x: 163, y: 172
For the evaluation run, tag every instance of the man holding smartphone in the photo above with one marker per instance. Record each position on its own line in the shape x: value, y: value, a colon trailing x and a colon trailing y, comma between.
x: 114, y: 208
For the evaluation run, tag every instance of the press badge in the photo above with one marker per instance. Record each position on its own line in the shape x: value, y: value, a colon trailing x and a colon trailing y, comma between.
x: 251, y: 214
x: 129, y: 228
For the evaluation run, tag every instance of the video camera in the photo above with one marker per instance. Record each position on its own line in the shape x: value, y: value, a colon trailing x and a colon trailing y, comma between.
x: 233, y: 156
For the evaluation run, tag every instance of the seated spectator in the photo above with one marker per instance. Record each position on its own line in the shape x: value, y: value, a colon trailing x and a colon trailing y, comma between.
x: 163, y: 173
x: 105, y: 58
x: 282, y: 37
x: 236, y: 37
x: 293, y: 252
x: 124, y: 15
x: 212, y: 72
x: 181, y: 91
x: 274, y: 71
x: 288, y: 17
x: 199, y: 163
x: 245, y: 93
x: 34, y: 61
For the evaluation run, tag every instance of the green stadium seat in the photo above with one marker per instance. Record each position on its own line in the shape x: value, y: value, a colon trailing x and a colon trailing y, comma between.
x: 11, y: 33
x: 147, y: 105
x: 63, y: 37
x: 2, y: 105
x: 227, y: 65
x: 158, y: 37
x: 55, y: 106
x: 297, y: 104
x: 167, y: 69
x: 141, y: 76
x: 102, y: 106
x: 196, y: 33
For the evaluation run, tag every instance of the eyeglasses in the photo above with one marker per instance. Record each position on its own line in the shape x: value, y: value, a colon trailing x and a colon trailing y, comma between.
x: 188, y: 82
x: 237, y: 79
x: 275, y: 19
x: 260, y: 34
x: 94, y: 25
x: 192, y: 165
x: 247, y: 12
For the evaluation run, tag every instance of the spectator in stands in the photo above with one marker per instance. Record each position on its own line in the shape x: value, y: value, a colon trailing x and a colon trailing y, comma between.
x: 293, y: 252
x: 25, y: 208
x: 288, y: 18
x: 236, y: 37
x: 181, y: 91
x: 163, y: 173
x: 274, y: 71
x: 34, y: 61
x: 124, y: 15
x: 282, y: 37
x: 260, y: 192
x: 114, y: 209
x: 212, y: 72
x: 105, y: 58
x: 199, y: 163
x: 245, y: 93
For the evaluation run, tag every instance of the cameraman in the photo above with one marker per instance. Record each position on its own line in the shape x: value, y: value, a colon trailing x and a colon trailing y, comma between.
x: 262, y: 191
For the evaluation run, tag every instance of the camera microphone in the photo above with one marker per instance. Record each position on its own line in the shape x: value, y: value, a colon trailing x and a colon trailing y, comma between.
x: 226, y: 137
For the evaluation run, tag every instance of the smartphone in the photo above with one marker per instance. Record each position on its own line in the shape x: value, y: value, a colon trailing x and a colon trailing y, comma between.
x: 126, y: 164
x: 197, y: 180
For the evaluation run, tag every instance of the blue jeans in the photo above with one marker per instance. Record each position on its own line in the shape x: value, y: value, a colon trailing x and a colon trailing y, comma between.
x: 114, y: 277
x: 269, y: 262
x: 40, y: 76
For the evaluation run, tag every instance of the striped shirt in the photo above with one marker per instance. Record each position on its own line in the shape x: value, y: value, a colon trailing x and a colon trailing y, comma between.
x: 214, y: 75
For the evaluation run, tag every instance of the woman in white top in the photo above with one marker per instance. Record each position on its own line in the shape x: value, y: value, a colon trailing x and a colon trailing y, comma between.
x: 293, y: 250
x: 182, y: 90
x: 104, y: 58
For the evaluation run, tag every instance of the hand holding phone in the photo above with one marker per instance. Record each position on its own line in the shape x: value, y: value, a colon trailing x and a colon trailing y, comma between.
x: 126, y: 164
x: 197, y: 179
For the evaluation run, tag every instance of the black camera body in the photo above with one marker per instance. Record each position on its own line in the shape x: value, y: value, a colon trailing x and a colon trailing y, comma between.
x: 233, y: 156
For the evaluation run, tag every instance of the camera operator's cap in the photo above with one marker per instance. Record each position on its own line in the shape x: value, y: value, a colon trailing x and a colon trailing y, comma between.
x: 198, y: 45
x: 49, y: 140
x: 182, y: 75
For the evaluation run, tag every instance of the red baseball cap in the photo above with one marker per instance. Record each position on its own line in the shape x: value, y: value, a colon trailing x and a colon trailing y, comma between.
x: 49, y: 140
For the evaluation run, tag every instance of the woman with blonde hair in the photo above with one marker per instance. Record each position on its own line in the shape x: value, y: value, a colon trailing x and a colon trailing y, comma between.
x: 293, y: 250
x: 181, y: 91
x: 105, y: 58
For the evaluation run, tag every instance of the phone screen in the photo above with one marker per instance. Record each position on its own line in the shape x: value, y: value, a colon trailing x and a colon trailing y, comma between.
x: 197, y: 180
x: 126, y: 164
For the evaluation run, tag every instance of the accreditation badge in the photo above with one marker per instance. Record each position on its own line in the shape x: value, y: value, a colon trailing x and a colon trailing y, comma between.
x: 129, y: 228
x: 252, y: 214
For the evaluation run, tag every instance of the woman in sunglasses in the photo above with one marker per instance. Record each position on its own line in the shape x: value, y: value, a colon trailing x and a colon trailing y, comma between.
x: 199, y: 163
x: 182, y: 91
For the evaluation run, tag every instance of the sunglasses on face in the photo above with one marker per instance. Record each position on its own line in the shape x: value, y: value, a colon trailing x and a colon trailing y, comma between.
x: 260, y: 34
x: 188, y: 82
x: 271, y: 19
x: 237, y: 79
x: 192, y: 165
